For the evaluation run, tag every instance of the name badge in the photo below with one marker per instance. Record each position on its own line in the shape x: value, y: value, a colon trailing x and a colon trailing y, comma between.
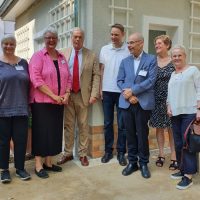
x: 19, y: 67
x: 142, y: 73
x: 63, y: 61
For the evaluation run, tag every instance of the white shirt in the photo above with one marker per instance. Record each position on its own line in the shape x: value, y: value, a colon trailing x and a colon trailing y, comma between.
x: 184, y: 91
x: 111, y: 58
x: 137, y: 62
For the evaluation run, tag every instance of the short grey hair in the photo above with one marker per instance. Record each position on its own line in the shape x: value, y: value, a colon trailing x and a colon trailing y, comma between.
x: 78, y: 29
x: 178, y: 46
x: 8, y: 37
x: 138, y: 35
x: 50, y: 29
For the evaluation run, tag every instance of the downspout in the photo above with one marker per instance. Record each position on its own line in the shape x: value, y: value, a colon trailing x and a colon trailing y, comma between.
x: 76, y: 6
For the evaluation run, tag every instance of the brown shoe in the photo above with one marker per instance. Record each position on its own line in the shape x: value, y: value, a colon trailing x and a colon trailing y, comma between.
x: 84, y: 161
x: 65, y: 159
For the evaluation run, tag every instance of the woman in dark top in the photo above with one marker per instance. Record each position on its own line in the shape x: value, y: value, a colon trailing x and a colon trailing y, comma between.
x: 159, y: 119
x: 14, y: 91
x: 50, y: 90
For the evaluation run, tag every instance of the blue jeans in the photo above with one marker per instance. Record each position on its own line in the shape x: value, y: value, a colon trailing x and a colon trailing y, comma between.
x: 187, y: 161
x: 110, y: 100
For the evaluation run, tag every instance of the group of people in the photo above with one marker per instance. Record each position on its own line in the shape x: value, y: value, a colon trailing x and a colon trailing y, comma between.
x: 161, y: 90
x: 47, y: 83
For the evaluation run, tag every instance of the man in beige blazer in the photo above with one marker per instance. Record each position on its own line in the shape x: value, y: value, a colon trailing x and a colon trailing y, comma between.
x: 87, y: 94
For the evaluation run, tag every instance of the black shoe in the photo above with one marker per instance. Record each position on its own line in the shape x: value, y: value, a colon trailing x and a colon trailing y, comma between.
x: 145, y: 171
x: 177, y: 175
x: 122, y: 159
x: 184, y: 183
x: 130, y: 168
x: 5, y: 176
x: 106, y: 158
x: 54, y: 168
x: 23, y: 174
x: 42, y: 173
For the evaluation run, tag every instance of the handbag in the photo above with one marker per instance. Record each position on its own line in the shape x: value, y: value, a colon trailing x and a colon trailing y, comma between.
x: 192, y: 137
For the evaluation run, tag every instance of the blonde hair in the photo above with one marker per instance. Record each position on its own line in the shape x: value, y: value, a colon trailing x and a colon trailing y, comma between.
x: 166, y: 40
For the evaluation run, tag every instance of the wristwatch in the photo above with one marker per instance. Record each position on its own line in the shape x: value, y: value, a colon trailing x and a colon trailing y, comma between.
x: 198, y: 108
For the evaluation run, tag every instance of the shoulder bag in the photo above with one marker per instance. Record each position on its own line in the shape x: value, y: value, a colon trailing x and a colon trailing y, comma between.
x: 192, y: 137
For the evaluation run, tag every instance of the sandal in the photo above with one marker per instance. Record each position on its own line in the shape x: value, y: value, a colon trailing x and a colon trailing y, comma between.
x: 11, y: 159
x: 173, y: 165
x: 29, y: 156
x: 160, y: 161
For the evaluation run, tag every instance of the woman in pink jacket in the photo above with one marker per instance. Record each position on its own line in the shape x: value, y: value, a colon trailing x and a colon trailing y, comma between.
x: 50, y: 90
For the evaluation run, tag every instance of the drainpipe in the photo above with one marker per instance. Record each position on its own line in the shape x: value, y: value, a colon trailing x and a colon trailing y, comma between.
x: 76, y: 6
x: 76, y: 24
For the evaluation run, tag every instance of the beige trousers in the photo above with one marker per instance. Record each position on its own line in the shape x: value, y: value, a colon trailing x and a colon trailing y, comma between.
x: 76, y: 111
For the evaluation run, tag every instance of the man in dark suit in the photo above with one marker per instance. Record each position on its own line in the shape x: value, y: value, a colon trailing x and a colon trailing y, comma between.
x: 136, y: 78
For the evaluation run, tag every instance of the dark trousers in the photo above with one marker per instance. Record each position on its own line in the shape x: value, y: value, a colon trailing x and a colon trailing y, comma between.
x: 136, y: 124
x: 15, y: 128
x: 186, y: 160
x: 110, y: 100
x: 47, y: 129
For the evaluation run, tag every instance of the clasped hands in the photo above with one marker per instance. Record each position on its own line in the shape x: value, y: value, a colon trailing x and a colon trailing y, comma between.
x: 128, y: 95
x: 62, y: 99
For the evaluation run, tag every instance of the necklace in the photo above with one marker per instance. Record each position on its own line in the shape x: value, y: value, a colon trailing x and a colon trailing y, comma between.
x: 180, y: 70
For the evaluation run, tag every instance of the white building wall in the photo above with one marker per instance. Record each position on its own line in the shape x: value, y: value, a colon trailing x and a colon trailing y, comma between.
x: 96, y: 17
x: 6, y: 27
x: 102, y: 16
x: 24, y: 37
x: 58, y: 14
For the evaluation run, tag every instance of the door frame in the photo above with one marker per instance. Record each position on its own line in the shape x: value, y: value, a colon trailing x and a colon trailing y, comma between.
x: 173, y: 27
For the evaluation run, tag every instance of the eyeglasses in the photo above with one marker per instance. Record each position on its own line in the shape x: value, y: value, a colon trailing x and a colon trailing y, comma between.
x: 51, y: 38
x: 133, y: 42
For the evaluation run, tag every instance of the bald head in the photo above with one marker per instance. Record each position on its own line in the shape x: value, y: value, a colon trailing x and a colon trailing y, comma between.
x: 137, y: 36
x: 136, y: 43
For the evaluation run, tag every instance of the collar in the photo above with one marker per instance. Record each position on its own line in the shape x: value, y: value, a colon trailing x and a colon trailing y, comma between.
x: 44, y: 51
x: 79, y: 51
x: 118, y: 49
x: 139, y: 57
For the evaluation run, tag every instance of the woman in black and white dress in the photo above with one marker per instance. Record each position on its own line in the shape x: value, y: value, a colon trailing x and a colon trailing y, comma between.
x: 159, y: 119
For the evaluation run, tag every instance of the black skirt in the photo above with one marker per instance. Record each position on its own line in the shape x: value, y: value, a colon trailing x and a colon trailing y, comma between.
x: 47, y: 129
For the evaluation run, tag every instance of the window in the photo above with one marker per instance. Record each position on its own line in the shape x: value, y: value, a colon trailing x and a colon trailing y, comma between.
x: 152, y: 35
x: 61, y: 17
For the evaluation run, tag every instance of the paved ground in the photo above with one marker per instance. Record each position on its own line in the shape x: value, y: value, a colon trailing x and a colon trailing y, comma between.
x: 98, y: 182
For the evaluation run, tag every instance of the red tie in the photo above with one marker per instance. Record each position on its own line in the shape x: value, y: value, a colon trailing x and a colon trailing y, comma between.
x: 75, y: 85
